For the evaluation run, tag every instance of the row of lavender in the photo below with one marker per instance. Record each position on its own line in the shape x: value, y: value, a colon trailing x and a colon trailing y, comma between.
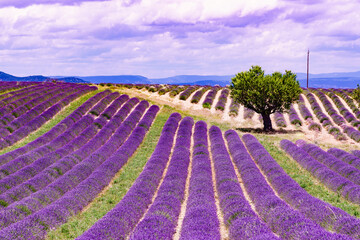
x: 279, y: 117
x: 72, y: 181
x: 39, y: 99
x: 9, y: 86
x: 14, y: 99
x: 26, y: 162
x: 54, y: 169
x: 17, y: 186
x: 55, y: 131
x: 340, y: 116
x: 336, y: 169
x: 346, y: 116
x: 186, y: 91
x: 121, y: 220
x: 151, y: 208
x: 26, y: 111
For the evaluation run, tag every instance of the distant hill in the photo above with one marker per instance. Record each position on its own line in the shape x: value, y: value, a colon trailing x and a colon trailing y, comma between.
x: 325, y: 80
x: 206, y: 83
x: 195, y: 80
x: 136, y: 79
x: 342, y: 82
x: 38, y: 78
x: 336, y: 75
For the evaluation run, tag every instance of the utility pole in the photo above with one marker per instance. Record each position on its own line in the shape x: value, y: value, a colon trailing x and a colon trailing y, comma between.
x: 307, y: 79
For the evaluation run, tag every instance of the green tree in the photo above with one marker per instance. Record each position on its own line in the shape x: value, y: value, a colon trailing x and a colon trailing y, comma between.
x: 265, y: 94
x: 356, y: 94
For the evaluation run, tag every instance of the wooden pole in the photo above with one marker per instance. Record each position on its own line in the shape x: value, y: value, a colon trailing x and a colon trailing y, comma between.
x: 307, y: 79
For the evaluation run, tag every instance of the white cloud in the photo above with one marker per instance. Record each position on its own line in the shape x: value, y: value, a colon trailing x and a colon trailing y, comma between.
x: 160, y: 38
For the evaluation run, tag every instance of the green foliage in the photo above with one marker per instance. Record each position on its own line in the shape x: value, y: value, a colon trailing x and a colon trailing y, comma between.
x: 24, y: 208
x: 265, y: 94
x: 356, y: 94
x: 207, y: 105
x: 3, y: 203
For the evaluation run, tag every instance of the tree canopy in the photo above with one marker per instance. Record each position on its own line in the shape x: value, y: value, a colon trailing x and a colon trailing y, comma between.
x: 265, y: 94
x: 356, y: 94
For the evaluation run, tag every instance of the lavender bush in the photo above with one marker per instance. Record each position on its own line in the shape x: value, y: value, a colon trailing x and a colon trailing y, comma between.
x: 186, y: 94
x: 98, y: 108
x: 319, y: 211
x: 209, y: 99
x: 333, y: 163
x: 349, y: 101
x: 352, y: 133
x: 248, y: 113
x: 284, y: 220
x: 32, y: 120
x: 242, y: 221
x: 36, y: 225
x: 101, y: 148
x: 177, y: 90
x: 55, y: 131
x: 199, y: 93
x: 160, y: 220
x: 122, y: 219
x: 234, y: 108
x: 220, y: 105
x: 201, y: 221
x: 294, y: 117
x: 279, y: 119
x: 345, y: 156
x: 329, y: 178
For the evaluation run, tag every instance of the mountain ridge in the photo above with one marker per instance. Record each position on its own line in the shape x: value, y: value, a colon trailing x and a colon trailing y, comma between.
x: 38, y: 78
x: 325, y: 80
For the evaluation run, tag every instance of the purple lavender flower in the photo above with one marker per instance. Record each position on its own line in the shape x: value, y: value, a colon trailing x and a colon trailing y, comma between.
x: 210, y: 97
x: 201, y: 221
x: 161, y: 218
x: 122, y: 219
x: 242, y: 221
x: 186, y: 94
x: 199, y: 93
x: 220, y: 105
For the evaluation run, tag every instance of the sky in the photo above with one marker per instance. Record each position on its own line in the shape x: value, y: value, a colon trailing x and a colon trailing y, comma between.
x: 162, y: 38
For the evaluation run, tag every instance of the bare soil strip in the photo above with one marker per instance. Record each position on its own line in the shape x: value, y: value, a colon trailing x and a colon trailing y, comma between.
x: 216, y: 99
x: 202, y: 99
x: 225, y: 116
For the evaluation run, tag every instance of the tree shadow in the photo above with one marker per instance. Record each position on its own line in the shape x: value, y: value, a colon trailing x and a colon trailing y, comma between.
x: 261, y: 130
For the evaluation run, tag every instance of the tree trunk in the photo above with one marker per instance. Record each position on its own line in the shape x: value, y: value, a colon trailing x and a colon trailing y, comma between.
x: 267, y: 122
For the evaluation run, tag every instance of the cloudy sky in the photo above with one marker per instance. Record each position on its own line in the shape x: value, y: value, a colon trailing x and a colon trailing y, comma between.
x: 161, y: 38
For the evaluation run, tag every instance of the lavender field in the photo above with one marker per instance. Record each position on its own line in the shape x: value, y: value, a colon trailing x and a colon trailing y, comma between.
x: 173, y: 162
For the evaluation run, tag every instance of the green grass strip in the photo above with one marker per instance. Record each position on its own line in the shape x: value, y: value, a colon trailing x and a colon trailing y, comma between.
x: 118, y: 187
x: 304, y: 178
x: 50, y: 124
